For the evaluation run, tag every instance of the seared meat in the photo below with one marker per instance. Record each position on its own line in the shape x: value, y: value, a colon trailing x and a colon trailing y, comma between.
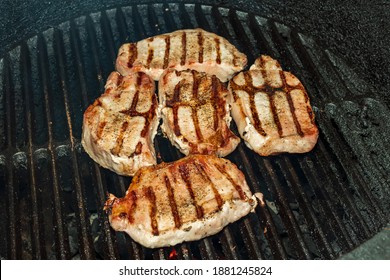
x: 186, y: 200
x: 119, y: 127
x: 272, y: 110
x: 195, y: 113
x: 183, y: 49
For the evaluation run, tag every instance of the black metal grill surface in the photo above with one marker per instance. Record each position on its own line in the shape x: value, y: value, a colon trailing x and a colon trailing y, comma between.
x: 319, y: 205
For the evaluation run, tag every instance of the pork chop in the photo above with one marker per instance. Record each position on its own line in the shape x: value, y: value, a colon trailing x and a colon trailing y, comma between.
x: 119, y: 127
x: 272, y: 110
x: 186, y: 200
x: 194, y: 49
x: 196, y: 113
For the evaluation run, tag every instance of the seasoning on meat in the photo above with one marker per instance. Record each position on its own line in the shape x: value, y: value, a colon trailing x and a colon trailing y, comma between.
x: 194, y: 49
x: 272, y: 110
x: 196, y: 113
x: 186, y: 200
x: 119, y: 127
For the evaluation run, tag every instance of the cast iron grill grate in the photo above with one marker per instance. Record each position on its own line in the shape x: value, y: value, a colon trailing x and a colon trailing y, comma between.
x: 318, y: 205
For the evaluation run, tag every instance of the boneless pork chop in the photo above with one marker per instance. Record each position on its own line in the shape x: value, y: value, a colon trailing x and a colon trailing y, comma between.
x: 196, y: 113
x: 186, y: 200
x: 183, y: 49
x: 272, y: 109
x: 119, y: 127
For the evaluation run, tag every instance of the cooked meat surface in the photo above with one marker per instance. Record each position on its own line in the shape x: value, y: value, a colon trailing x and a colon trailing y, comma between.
x: 272, y: 109
x: 186, y: 200
x: 196, y: 113
x: 183, y: 49
x: 119, y: 127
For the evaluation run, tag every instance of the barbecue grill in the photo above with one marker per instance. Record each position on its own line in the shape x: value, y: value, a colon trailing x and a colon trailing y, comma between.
x: 319, y: 205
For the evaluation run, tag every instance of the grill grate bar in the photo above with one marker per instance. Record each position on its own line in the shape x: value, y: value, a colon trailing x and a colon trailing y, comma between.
x: 325, y: 205
x: 252, y: 244
x: 293, y: 229
x: 61, y: 240
x: 260, y: 29
x: 101, y: 190
x: 184, y: 17
x: 11, y: 199
x: 206, y: 248
x: 108, y: 38
x: 37, y: 250
x: 295, y: 185
x: 357, y: 220
x: 342, y: 154
x: 81, y: 209
x: 263, y: 212
x: 229, y: 245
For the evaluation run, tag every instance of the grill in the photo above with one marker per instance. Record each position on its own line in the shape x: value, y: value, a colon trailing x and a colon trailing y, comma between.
x: 319, y: 205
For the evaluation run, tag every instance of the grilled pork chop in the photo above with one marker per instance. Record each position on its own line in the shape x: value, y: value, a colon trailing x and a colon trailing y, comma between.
x: 185, y: 200
x: 272, y: 110
x: 195, y: 113
x: 183, y: 49
x: 119, y: 127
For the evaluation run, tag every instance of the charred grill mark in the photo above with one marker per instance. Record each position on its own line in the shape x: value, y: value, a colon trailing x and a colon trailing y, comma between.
x: 138, y: 148
x: 255, y: 114
x: 215, y: 99
x: 174, y: 103
x: 132, y: 54
x: 238, y: 188
x: 310, y: 113
x: 184, y: 173
x: 287, y: 90
x: 148, y: 116
x: 218, y: 50
x: 100, y: 129
x: 133, y: 198
x: 149, y: 194
x: 134, y: 102
x: 176, y: 127
x: 195, y: 86
x: 119, y: 80
x: 119, y: 141
x: 201, y: 170
x: 195, y: 89
x: 275, y: 114
x: 200, y: 44
x: 183, y: 48
x: 150, y: 57
x: 172, y: 202
x: 166, y: 54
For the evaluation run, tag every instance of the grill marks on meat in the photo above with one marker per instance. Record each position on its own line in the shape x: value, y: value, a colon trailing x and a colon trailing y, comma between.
x: 271, y: 109
x: 181, y: 201
x: 119, y: 127
x: 183, y: 49
x: 195, y: 112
